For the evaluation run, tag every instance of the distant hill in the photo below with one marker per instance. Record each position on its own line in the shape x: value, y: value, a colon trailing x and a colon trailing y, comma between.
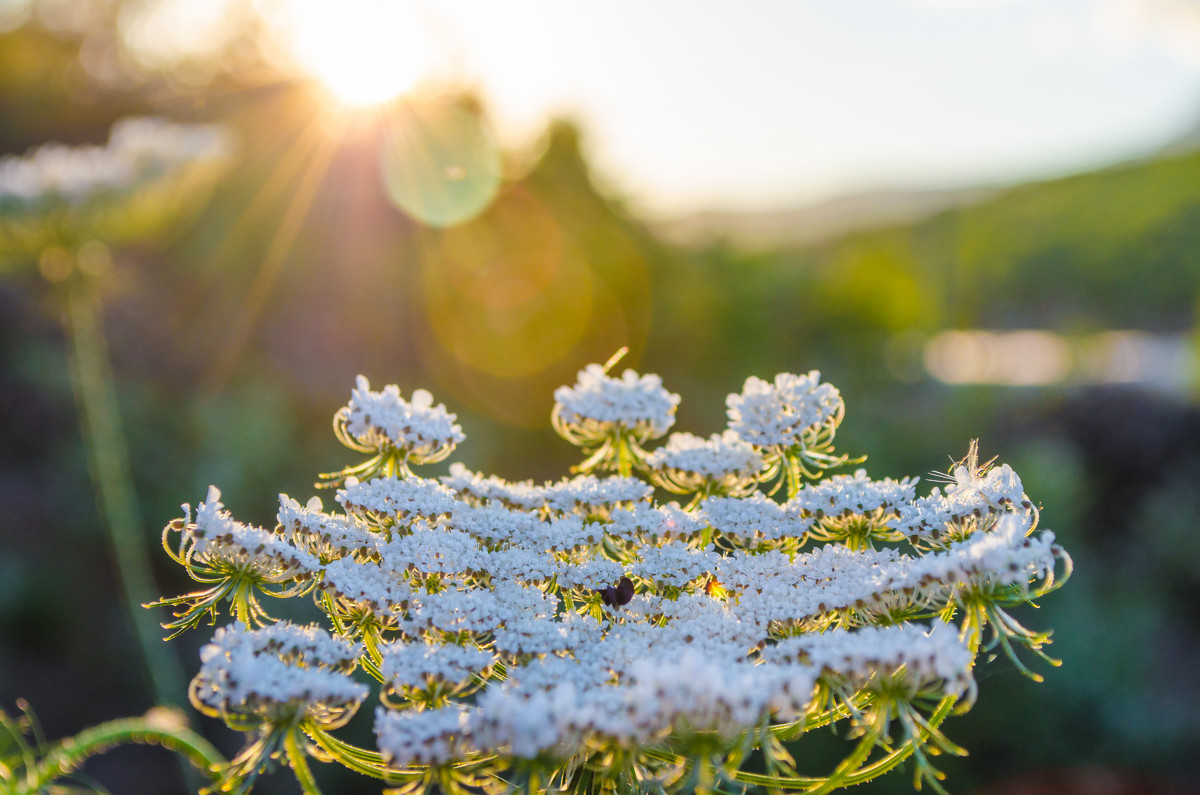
x: 1113, y: 248
x: 817, y: 223
x: 1118, y: 247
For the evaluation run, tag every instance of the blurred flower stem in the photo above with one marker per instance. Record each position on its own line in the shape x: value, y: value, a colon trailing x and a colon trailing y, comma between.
x: 165, y: 728
x: 108, y: 463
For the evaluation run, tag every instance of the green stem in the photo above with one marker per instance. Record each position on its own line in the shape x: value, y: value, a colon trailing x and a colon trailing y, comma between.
x: 360, y: 760
x: 792, y: 469
x: 108, y: 463
x: 863, y: 774
x: 624, y: 456
x: 69, y: 754
x: 108, y: 459
x: 299, y: 762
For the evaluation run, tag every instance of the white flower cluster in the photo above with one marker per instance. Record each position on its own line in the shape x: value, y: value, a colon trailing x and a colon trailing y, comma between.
x: 426, y: 432
x: 368, y: 585
x: 138, y: 150
x: 972, y: 498
x: 779, y: 414
x: 526, y: 620
x: 633, y: 402
x: 842, y: 495
x: 281, y: 670
x: 935, y: 653
x: 724, y: 462
x: 217, y: 540
x: 428, y: 737
x: 588, y: 492
x: 689, y: 660
x: 392, y: 499
x: 328, y: 536
x: 417, y: 664
x: 753, y: 517
x: 651, y: 523
x: 476, y: 489
x: 549, y: 708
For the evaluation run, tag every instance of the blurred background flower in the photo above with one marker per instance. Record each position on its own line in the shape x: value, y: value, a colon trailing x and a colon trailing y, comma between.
x: 975, y: 218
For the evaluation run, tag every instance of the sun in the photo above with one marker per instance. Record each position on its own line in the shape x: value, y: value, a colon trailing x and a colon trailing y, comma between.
x: 365, y: 52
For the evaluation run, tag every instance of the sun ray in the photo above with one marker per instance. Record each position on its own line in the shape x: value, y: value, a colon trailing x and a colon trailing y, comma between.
x: 311, y: 155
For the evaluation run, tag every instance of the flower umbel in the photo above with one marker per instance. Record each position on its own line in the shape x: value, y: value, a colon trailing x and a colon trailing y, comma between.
x: 399, y: 432
x: 611, y: 418
x: 582, y: 636
x: 236, y: 561
x: 792, y: 422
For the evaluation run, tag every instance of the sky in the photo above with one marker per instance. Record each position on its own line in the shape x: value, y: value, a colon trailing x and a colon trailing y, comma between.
x: 760, y: 105
x: 690, y: 105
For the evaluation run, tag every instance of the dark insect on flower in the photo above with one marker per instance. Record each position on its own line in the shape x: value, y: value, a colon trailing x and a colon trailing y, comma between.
x: 621, y: 595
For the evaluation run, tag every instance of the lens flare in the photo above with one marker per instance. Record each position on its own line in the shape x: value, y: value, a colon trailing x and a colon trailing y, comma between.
x: 440, y: 164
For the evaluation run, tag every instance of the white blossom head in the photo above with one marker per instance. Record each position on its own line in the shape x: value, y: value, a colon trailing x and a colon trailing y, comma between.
x: 477, y: 489
x: 512, y: 627
x: 148, y: 173
x: 421, y: 665
x: 276, y: 675
x: 591, y: 496
x: 610, y: 418
x: 785, y: 413
x: 237, y: 561
x: 753, y: 518
x: 722, y: 464
x: 428, y: 737
x: 394, y: 502
x: 400, y: 432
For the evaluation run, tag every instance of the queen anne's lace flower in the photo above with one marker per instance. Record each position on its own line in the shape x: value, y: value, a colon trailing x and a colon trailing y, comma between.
x: 275, y: 672
x: 326, y: 536
x: 721, y: 464
x: 513, y: 626
x: 752, y: 517
x: 419, y: 664
x: 217, y: 539
x: 674, y: 564
x: 934, y: 653
x: 369, y: 585
x: 392, y: 499
x: 478, y: 489
x: 593, y: 495
x: 632, y: 402
x: 428, y: 549
x: 424, y: 431
x: 650, y: 523
x: 780, y: 414
x: 430, y: 737
x: 841, y: 495
x: 611, y: 418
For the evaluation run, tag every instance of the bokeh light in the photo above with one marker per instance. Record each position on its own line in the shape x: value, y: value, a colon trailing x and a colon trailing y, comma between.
x: 439, y: 163
x: 514, y: 305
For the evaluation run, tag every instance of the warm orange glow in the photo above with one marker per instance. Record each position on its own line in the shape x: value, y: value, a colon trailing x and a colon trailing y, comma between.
x: 365, y: 52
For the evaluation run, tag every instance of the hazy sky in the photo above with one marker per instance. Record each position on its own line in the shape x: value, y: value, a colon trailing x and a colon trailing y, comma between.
x: 690, y: 104
x: 760, y: 104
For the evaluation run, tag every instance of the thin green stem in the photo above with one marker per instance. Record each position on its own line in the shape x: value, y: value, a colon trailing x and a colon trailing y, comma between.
x: 71, y: 753
x: 845, y: 775
x: 624, y: 456
x: 299, y: 762
x: 792, y: 470
x: 108, y: 459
